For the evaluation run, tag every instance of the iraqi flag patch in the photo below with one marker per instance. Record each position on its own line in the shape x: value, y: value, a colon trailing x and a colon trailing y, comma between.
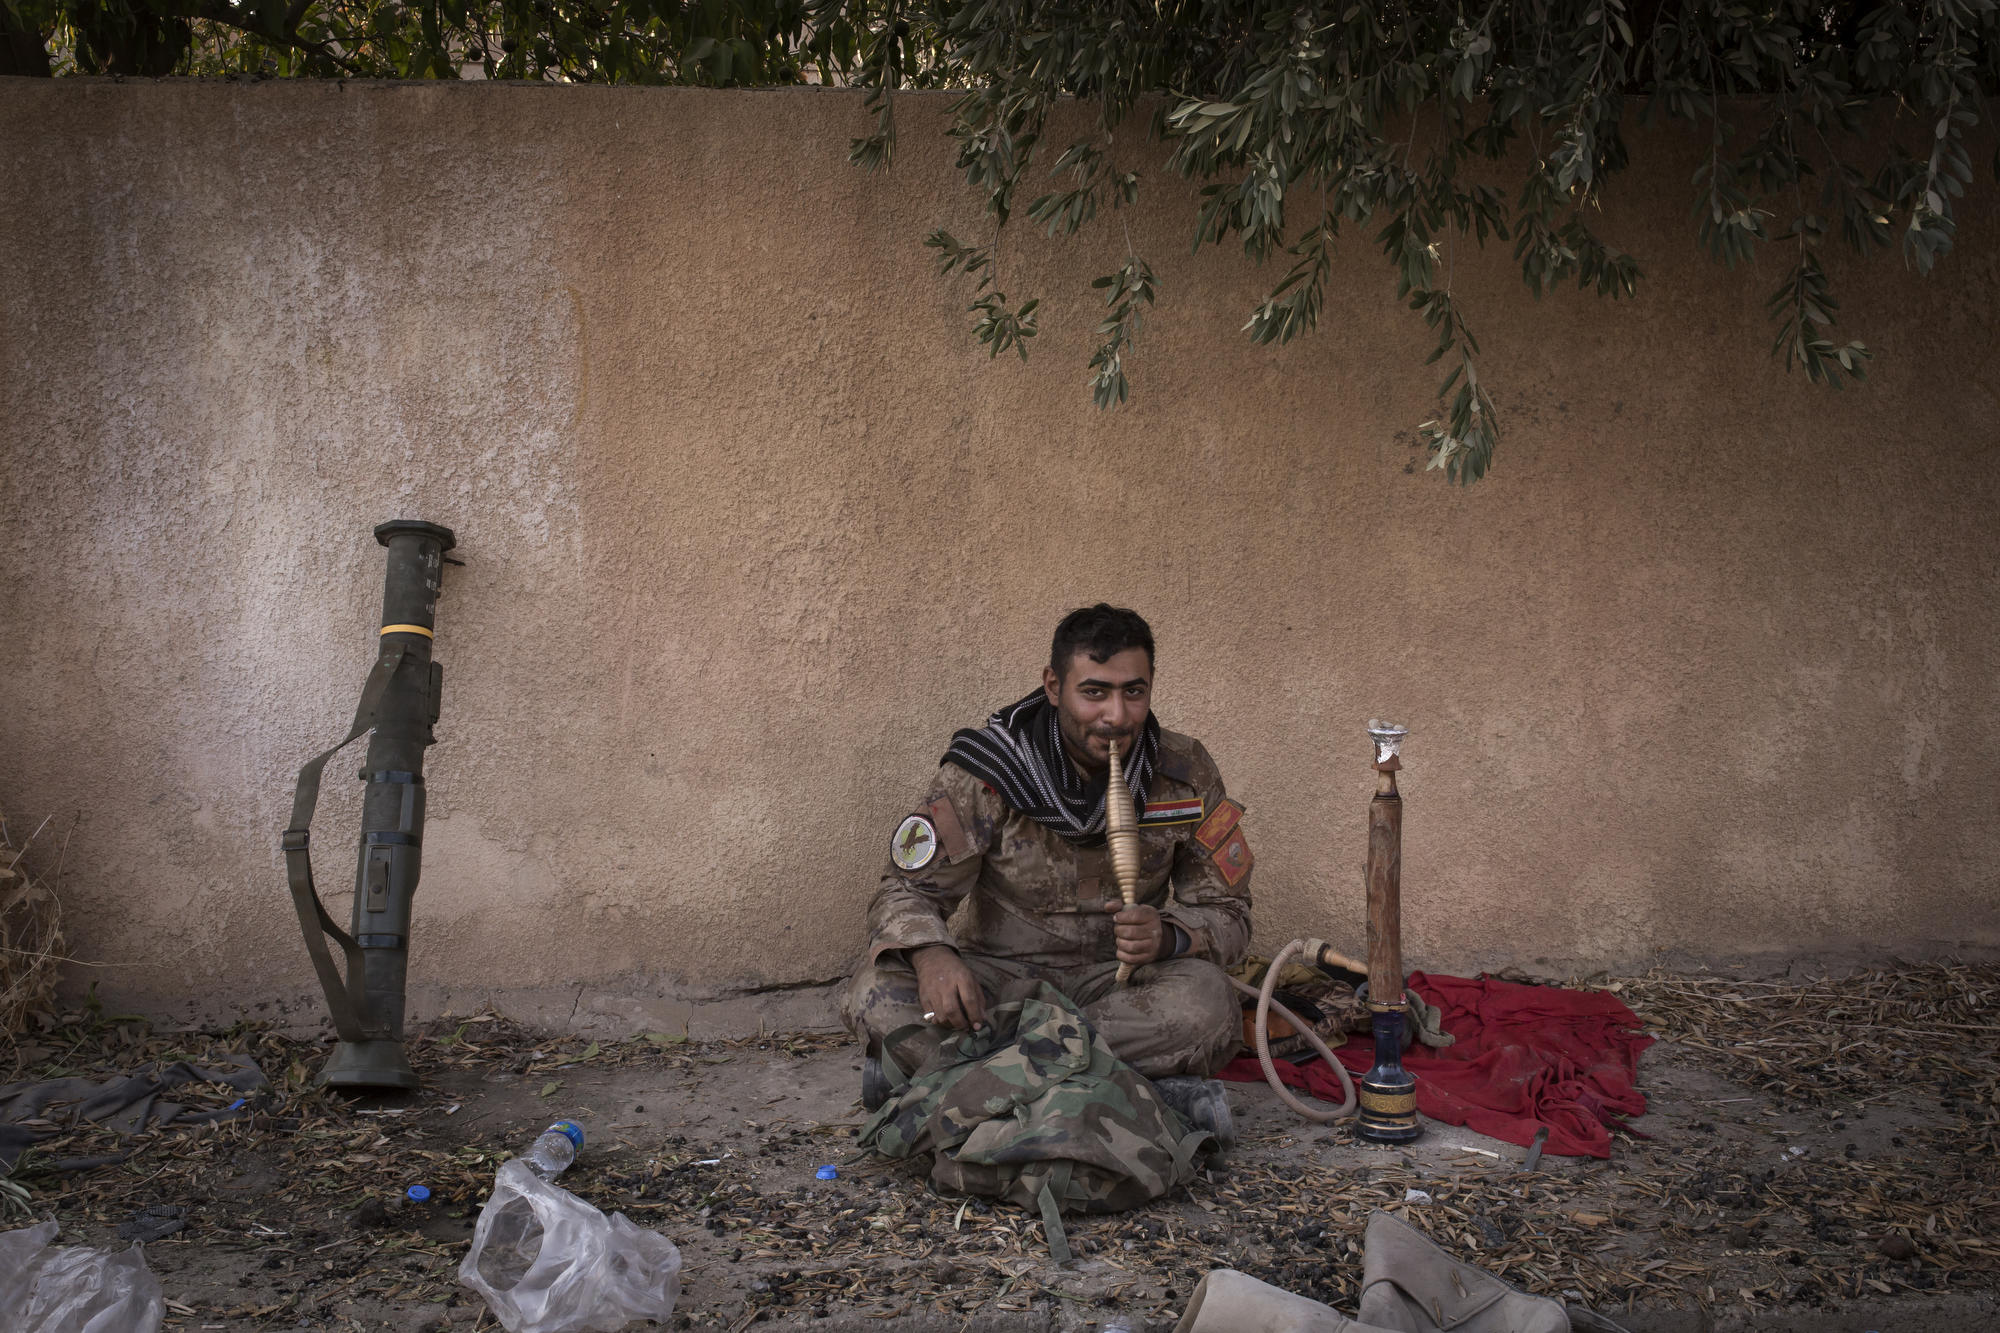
x: 1157, y: 813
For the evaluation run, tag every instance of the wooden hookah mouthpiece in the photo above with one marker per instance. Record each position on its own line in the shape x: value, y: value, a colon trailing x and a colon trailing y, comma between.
x: 1121, y: 833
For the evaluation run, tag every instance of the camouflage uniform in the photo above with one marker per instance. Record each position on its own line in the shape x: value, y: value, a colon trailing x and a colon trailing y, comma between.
x: 1036, y: 1111
x: 1017, y: 888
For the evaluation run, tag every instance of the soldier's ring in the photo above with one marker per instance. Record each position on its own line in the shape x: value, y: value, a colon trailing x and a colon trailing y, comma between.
x: 929, y: 1016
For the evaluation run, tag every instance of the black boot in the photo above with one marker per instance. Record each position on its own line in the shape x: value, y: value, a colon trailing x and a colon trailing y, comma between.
x: 1202, y: 1102
x: 874, y: 1084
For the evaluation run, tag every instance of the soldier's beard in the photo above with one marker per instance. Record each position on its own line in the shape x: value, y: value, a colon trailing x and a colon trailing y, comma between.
x: 1089, y: 748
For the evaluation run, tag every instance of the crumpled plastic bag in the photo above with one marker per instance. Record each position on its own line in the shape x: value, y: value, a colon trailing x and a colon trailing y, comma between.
x: 547, y: 1262
x: 75, y: 1289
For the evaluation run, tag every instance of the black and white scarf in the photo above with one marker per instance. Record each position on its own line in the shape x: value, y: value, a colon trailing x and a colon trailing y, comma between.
x: 1020, y: 754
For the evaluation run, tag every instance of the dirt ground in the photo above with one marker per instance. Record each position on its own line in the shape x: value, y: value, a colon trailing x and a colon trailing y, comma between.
x: 1824, y: 1153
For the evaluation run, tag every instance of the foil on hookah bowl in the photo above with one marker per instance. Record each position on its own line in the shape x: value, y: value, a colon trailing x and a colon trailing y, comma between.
x: 1388, y: 738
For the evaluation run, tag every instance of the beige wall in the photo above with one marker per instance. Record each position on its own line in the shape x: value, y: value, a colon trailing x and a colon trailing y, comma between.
x: 750, y: 524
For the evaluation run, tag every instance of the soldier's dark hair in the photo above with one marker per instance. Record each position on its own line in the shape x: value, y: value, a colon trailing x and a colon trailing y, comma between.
x: 1100, y: 631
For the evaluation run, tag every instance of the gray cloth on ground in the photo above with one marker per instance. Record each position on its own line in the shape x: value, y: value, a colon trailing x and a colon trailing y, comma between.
x: 1427, y: 1021
x: 1408, y: 1285
x: 128, y: 1103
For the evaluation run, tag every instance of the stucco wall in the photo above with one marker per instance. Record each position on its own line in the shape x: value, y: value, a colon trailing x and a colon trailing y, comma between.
x: 750, y: 524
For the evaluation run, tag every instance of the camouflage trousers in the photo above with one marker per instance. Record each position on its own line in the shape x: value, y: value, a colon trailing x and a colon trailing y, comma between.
x: 1175, y: 1017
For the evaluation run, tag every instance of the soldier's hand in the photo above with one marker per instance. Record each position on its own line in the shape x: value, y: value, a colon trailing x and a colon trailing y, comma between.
x: 949, y: 992
x: 1140, y: 931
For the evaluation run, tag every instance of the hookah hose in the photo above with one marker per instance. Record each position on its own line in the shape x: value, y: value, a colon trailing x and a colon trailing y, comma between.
x: 1265, y: 1005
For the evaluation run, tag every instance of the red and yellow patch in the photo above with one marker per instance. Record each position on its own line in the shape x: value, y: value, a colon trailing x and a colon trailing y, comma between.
x: 1233, y: 858
x: 1217, y: 827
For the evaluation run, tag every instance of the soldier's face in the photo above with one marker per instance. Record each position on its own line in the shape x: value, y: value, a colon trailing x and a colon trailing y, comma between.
x: 1101, y: 702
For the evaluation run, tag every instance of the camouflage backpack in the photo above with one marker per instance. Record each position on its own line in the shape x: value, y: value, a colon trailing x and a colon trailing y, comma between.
x: 1035, y: 1109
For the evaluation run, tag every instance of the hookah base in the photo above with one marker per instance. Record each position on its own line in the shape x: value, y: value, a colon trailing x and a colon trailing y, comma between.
x: 1387, y: 1107
x: 368, y: 1064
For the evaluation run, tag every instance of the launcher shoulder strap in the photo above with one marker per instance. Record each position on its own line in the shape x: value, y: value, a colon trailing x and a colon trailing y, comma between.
x: 346, y: 996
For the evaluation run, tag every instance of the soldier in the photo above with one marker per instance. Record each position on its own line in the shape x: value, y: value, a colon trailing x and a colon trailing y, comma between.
x: 1010, y: 834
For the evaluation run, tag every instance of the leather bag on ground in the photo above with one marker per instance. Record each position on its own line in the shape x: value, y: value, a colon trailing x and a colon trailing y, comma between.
x: 1408, y: 1285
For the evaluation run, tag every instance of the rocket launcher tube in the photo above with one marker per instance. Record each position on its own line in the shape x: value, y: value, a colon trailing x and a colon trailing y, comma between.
x: 399, y: 704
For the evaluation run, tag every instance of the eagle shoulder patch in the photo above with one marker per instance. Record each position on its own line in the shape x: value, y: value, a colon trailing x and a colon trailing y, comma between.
x: 915, y: 844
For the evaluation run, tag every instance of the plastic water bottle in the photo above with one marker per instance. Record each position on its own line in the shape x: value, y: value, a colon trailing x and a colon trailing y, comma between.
x: 554, y: 1150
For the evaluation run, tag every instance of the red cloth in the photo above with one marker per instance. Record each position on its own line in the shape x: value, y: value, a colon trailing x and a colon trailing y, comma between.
x: 1526, y: 1056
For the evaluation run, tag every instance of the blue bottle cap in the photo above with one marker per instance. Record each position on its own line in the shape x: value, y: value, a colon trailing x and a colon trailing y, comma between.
x: 569, y: 1129
x: 827, y: 1173
x: 418, y: 1193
